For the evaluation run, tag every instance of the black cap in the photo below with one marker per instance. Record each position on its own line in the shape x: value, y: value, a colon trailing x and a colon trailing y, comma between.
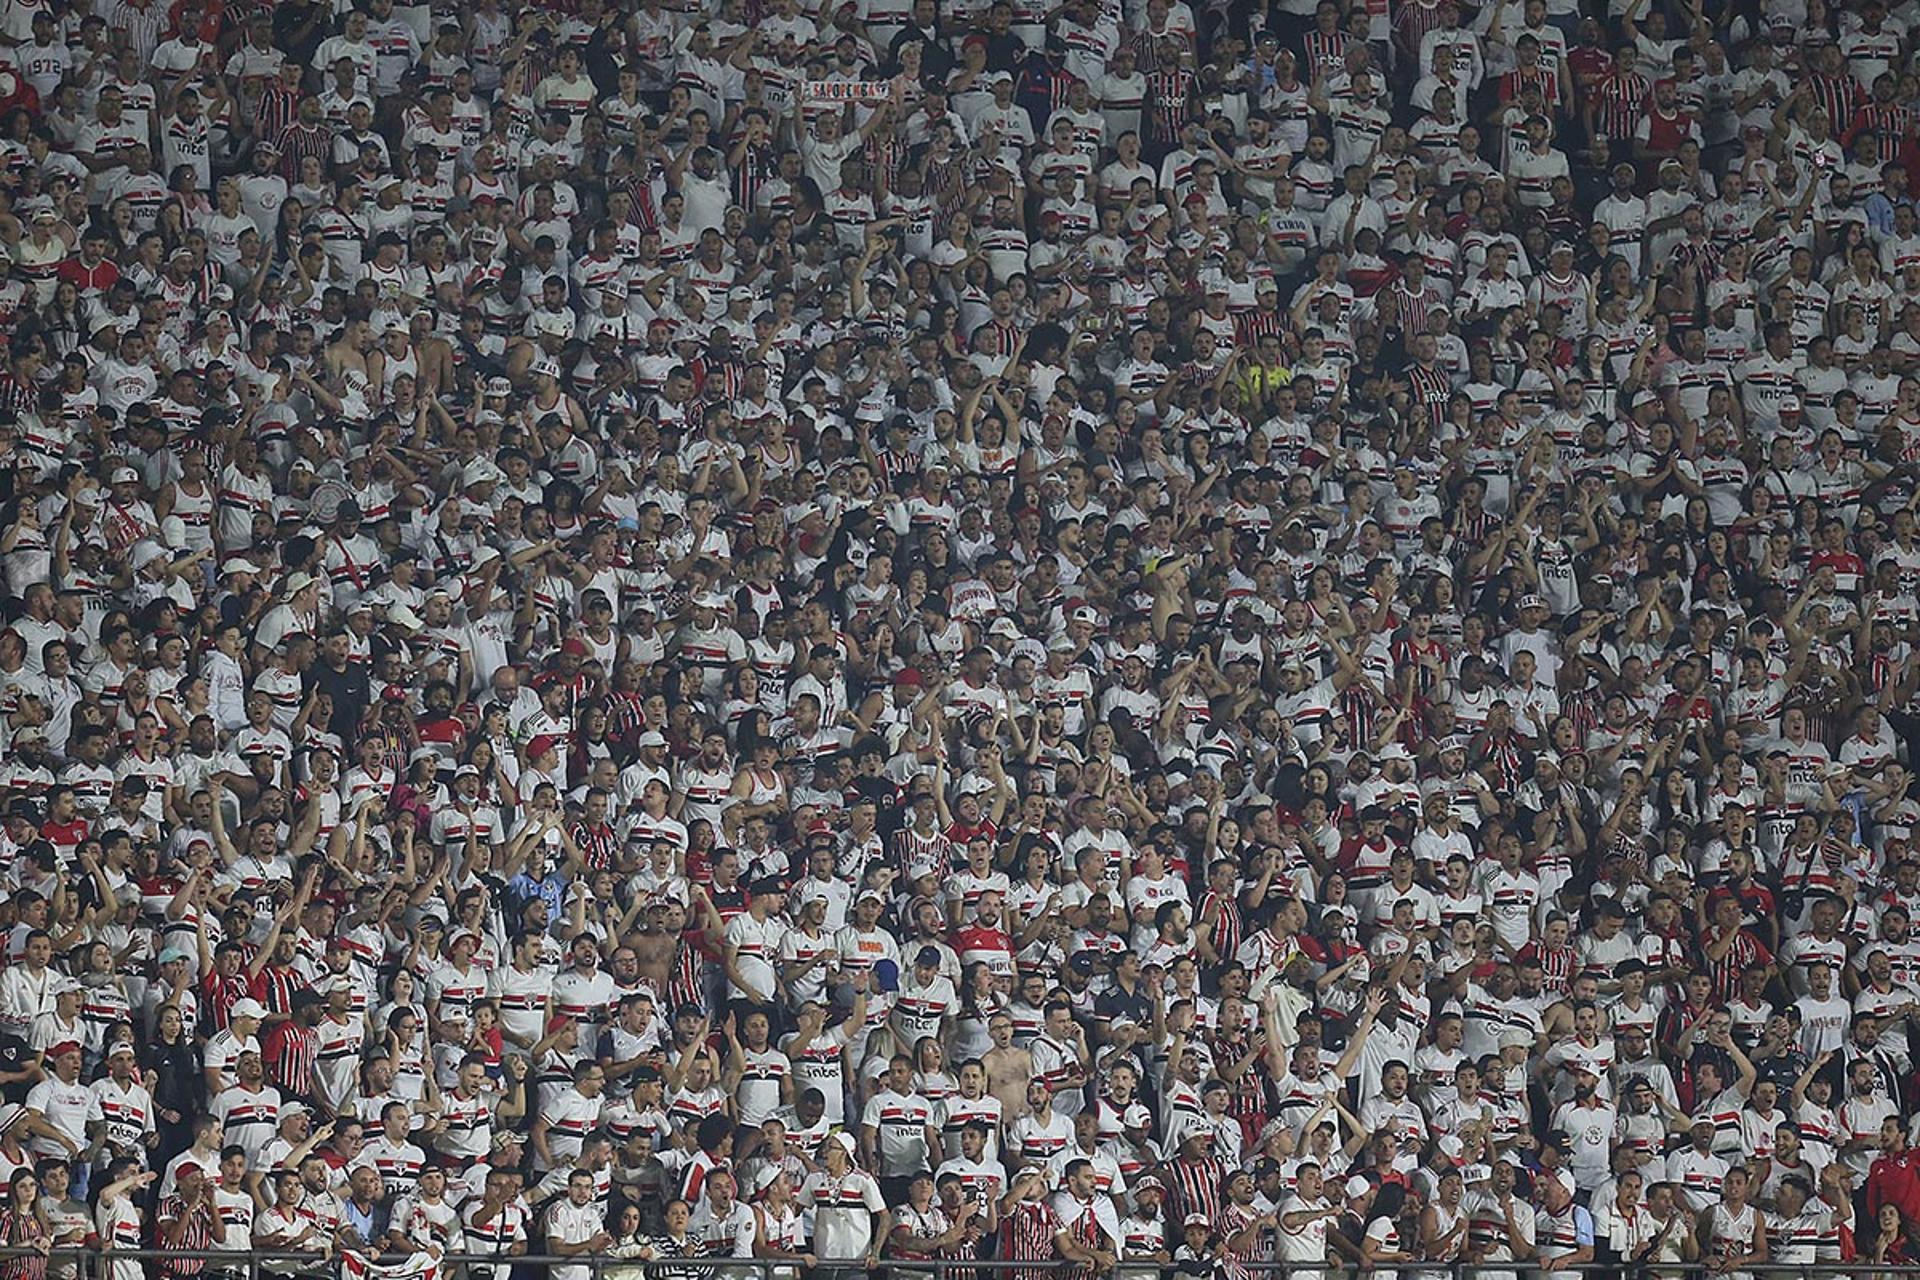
x: 928, y: 956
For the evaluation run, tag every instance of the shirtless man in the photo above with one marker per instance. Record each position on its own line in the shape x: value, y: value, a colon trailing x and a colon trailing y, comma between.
x: 354, y: 366
x: 435, y: 354
x: 1008, y: 1068
x: 658, y: 942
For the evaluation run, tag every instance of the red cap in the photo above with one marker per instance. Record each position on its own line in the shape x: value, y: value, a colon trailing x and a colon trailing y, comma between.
x: 65, y: 1046
x: 909, y: 678
x: 575, y: 646
x: 540, y: 745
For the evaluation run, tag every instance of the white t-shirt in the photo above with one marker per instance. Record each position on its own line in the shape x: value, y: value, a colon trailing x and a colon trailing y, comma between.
x: 68, y: 1108
x: 843, y: 1210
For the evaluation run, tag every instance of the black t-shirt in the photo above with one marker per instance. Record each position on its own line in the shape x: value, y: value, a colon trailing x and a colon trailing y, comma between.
x: 15, y: 1056
x: 351, y: 692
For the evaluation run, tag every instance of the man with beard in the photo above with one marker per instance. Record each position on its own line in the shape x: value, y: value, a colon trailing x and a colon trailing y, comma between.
x: 1143, y: 1232
x: 1588, y: 1121
x: 1089, y: 1229
x: 1696, y: 1170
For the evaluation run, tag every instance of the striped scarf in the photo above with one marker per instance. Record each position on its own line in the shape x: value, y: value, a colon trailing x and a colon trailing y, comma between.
x: 1880, y: 669
x: 1360, y: 705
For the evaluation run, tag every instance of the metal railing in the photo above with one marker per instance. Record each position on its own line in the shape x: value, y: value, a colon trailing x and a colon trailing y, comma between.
x: 256, y: 1264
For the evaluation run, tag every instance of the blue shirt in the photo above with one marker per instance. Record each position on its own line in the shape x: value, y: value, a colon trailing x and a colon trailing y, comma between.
x: 1879, y: 211
x: 525, y: 888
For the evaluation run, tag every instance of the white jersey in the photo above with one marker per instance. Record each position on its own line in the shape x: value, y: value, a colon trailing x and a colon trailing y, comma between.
x: 1307, y: 1244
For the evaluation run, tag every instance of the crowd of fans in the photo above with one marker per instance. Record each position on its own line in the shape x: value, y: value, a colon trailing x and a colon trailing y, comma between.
x: 1128, y: 636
